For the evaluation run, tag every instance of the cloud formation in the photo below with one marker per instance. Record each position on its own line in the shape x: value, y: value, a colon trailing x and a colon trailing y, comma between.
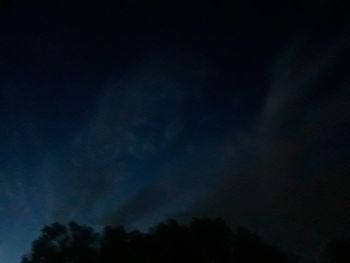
x: 297, y: 181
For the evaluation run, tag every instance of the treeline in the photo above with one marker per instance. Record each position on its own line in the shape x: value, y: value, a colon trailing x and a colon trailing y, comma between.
x: 204, y: 241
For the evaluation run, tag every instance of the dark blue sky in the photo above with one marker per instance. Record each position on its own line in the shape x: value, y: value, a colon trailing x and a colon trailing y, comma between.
x: 131, y: 113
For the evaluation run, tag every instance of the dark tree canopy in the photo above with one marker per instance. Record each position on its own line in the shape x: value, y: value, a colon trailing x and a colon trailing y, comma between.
x: 204, y: 240
x: 338, y: 251
x: 59, y: 243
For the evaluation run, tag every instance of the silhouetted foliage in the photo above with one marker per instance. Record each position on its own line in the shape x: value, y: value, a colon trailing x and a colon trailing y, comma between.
x: 249, y: 247
x: 204, y: 240
x: 338, y: 251
x: 61, y: 244
x: 114, y: 244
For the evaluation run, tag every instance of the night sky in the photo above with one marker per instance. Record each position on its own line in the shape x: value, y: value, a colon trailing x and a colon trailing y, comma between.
x: 127, y: 112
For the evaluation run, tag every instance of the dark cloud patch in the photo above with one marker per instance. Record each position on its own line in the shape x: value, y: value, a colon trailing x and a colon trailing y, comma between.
x: 149, y: 132
x: 136, y: 122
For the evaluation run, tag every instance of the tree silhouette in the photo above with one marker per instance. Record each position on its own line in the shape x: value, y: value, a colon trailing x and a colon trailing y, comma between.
x: 249, y: 247
x: 61, y: 244
x: 169, y: 239
x: 212, y: 240
x: 338, y: 251
x: 114, y: 244
x: 50, y: 246
x: 204, y: 240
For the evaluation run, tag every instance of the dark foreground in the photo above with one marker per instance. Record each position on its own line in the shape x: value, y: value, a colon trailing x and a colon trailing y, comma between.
x: 204, y: 240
